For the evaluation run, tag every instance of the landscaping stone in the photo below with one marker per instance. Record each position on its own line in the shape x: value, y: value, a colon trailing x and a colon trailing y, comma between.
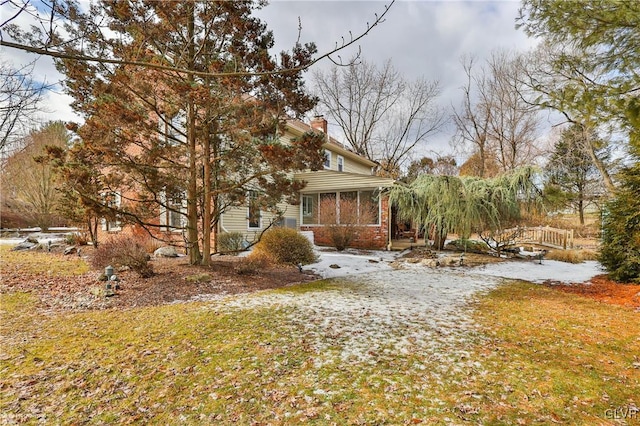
x: 28, y: 244
x: 167, y: 251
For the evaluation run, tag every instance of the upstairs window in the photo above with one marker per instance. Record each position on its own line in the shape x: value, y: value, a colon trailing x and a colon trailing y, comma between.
x: 327, y: 159
x: 340, y: 163
x: 174, y: 128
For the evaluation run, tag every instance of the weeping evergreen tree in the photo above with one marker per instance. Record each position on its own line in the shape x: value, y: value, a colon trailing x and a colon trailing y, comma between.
x: 466, y: 204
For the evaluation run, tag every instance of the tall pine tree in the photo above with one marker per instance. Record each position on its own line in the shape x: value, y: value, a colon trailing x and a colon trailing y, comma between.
x: 161, y: 135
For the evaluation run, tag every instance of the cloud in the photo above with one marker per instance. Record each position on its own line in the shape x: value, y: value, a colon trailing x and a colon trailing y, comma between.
x: 422, y: 38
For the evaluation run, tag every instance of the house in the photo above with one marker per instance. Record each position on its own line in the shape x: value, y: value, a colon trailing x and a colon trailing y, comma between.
x: 346, y: 178
x: 346, y: 175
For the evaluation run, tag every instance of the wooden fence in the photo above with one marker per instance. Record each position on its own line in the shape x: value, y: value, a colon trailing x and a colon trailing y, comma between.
x: 543, y: 236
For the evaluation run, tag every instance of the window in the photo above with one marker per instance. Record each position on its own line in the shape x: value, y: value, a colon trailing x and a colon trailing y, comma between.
x: 346, y: 207
x: 369, y: 207
x: 254, y: 210
x: 112, y: 200
x: 340, y: 163
x: 173, y: 128
x: 175, y: 213
x: 173, y: 210
x: 309, y: 209
x: 327, y: 159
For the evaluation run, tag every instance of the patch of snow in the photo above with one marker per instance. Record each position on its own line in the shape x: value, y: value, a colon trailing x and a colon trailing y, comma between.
x: 350, y: 262
x: 537, y: 272
x: 373, y: 310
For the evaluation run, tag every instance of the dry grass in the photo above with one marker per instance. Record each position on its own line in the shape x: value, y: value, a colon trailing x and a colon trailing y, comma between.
x: 572, y: 256
x: 539, y: 357
x: 46, y: 264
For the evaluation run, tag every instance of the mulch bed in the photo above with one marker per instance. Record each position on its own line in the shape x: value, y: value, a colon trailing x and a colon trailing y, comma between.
x: 602, y: 289
x: 172, y: 282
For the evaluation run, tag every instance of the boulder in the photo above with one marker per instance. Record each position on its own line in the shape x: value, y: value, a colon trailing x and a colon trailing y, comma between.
x: 28, y: 244
x: 167, y: 251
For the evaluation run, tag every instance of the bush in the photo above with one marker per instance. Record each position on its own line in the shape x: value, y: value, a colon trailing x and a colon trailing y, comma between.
x: 77, y: 239
x: 123, y: 251
x: 471, y: 246
x: 231, y: 242
x: 251, y: 264
x: 345, y: 225
x: 284, y: 246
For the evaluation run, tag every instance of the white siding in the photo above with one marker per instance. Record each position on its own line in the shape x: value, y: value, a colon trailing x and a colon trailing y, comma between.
x: 236, y: 220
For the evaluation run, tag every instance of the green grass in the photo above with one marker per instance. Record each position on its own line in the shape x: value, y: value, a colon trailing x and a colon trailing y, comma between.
x: 542, y: 357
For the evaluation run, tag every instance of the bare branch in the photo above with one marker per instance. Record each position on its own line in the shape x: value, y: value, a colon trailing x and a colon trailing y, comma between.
x: 60, y: 54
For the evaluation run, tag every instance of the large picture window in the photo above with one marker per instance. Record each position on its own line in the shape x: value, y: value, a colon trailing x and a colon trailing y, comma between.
x: 369, y: 206
x: 337, y: 207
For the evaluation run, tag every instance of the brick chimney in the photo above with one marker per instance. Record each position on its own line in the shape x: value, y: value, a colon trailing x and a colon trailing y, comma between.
x: 319, y: 123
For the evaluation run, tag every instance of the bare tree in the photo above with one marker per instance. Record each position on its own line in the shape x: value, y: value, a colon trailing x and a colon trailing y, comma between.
x: 494, y: 121
x: 383, y: 116
x: 28, y: 178
x: 20, y: 98
x: 566, y: 83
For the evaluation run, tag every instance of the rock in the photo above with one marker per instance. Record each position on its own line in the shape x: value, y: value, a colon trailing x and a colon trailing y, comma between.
x: 334, y: 266
x: 431, y: 263
x: 25, y: 245
x: 70, y: 250
x: 167, y: 251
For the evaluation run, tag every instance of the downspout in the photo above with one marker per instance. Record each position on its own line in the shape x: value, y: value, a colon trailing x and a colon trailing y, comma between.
x: 389, y: 244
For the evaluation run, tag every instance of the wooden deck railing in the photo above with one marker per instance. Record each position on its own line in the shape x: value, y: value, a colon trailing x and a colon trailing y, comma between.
x: 543, y: 236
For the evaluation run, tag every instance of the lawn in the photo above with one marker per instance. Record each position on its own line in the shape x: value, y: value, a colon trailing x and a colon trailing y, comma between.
x: 521, y: 354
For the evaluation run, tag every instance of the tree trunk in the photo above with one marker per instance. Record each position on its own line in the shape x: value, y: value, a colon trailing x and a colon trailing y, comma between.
x: 581, y: 211
x: 206, y: 219
x: 602, y: 168
x: 195, y: 257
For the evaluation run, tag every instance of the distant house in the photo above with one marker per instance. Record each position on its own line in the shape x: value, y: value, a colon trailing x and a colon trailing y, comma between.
x: 346, y: 175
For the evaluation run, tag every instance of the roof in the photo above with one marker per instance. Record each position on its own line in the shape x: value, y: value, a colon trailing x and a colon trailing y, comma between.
x: 331, y: 180
x: 298, y: 127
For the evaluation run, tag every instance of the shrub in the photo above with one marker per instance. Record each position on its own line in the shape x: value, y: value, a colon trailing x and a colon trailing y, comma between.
x: 284, y: 246
x: 123, y: 251
x: 345, y: 224
x: 471, y: 246
x: 76, y: 239
x: 251, y: 264
x: 231, y: 242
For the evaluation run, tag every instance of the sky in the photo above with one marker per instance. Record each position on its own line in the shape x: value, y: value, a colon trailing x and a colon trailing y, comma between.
x: 421, y: 38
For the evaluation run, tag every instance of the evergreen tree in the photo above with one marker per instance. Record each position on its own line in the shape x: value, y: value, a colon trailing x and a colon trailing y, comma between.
x: 620, y: 249
x: 572, y: 172
x: 161, y: 135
